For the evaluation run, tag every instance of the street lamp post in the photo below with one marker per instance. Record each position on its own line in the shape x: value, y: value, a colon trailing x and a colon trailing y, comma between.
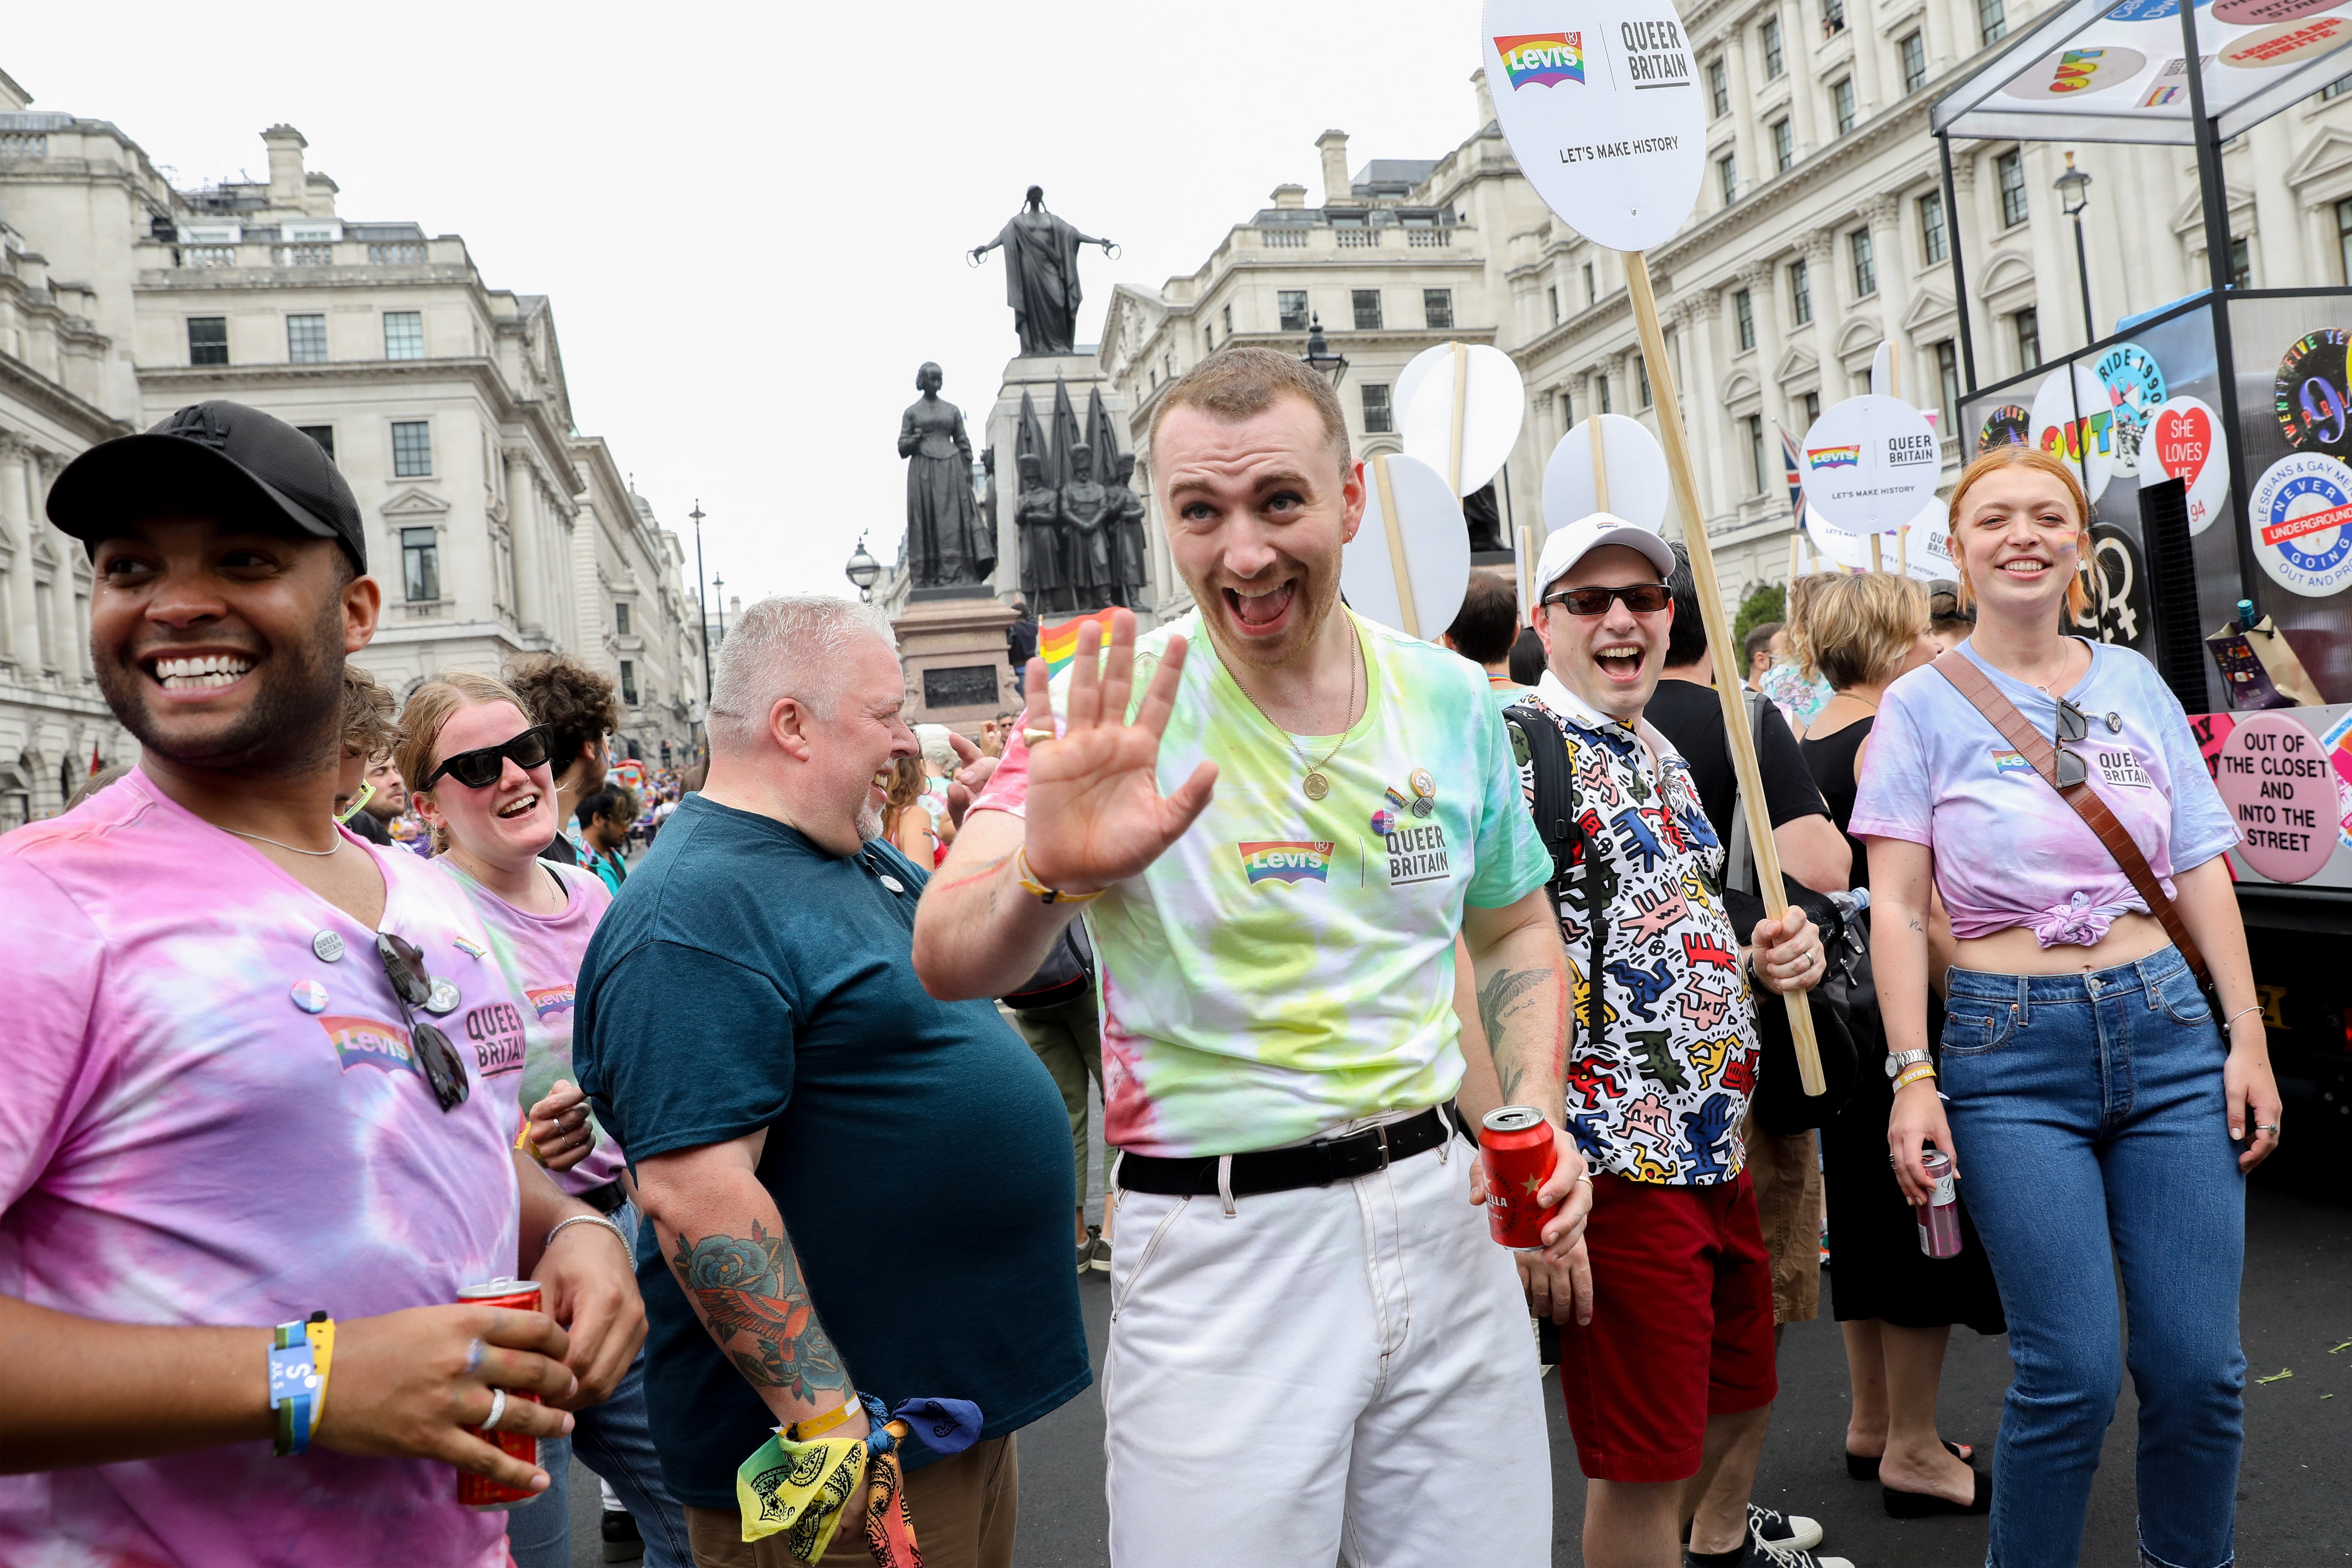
x: 719, y: 593
x: 863, y: 572
x: 701, y: 632
x: 1318, y: 356
x: 2073, y: 195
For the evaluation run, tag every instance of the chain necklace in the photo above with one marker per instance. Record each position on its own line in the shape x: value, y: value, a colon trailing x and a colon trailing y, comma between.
x: 1315, y: 784
x: 290, y: 849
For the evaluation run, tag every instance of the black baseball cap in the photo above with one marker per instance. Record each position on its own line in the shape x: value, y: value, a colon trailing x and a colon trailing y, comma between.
x: 219, y: 457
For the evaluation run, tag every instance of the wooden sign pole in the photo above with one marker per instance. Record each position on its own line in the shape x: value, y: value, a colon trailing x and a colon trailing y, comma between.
x: 1461, y: 406
x: 1389, y: 521
x: 1794, y: 538
x: 1718, y: 636
x: 1877, y: 560
x: 1599, y: 465
x: 1903, y: 550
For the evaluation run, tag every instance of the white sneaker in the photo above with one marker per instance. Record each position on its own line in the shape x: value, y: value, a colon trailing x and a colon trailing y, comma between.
x: 1770, y: 1527
x: 1782, y: 1556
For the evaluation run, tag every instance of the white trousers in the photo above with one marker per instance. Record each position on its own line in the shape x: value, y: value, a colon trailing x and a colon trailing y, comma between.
x: 1331, y: 1371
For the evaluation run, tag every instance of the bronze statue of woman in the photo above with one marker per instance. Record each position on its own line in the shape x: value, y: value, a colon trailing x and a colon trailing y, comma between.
x: 947, y: 544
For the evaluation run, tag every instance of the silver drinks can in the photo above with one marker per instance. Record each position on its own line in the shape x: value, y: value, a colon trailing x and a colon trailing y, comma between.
x: 1939, y: 1217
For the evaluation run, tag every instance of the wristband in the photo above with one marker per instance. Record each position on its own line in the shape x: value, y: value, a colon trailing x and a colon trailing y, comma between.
x: 1914, y: 1075
x: 818, y: 1425
x: 301, y: 1353
x: 1029, y: 885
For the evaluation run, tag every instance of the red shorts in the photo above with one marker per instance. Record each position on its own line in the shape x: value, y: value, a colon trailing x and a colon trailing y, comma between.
x: 1681, y: 1329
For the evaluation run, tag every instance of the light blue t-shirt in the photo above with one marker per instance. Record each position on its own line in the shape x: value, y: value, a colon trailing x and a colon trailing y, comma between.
x: 2009, y: 851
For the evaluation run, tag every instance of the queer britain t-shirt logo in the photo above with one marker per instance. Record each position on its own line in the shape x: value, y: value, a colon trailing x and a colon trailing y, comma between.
x: 1544, y: 58
x: 1288, y: 860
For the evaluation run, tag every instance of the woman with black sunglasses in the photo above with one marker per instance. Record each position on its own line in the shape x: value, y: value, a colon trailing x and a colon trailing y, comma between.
x: 479, y: 770
x: 2099, y: 1108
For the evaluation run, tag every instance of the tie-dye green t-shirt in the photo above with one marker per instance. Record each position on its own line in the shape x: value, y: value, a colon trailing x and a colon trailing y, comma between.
x: 1287, y: 967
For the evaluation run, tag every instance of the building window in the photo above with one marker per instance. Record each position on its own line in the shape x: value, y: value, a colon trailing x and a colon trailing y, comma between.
x: 2028, y: 322
x: 411, y: 449
x: 324, y: 434
x: 1865, y: 264
x: 1773, y: 64
x: 1743, y: 316
x: 1208, y: 338
x: 1755, y: 422
x: 1567, y: 409
x: 1992, y: 20
x: 1718, y: 85
x: 1603, y: 382
x: 1552, y: 294
x: 1437, y: 308
x: 1591, y: 285
x: 207, y: 339
x: 629, y: 682
x: 403, y: 335
x: 621, y: 618
x: 1801, y: 291
x: 1842, y: 103
x: 2336, y: 89
x: 1784, y: 147
x: 1833, y: 18
x: 306, y: 339
x: 1914, y: 52
x: 1726, y: 174
x: 420, y: 564
x: 1226, y: 316
x: 1292, y: 305
x: 1812, y: 403
x: 1948, y: 381
x: 1935, y: 245
x: 2344, y: 236
x: 1642, y: 380
x: 2010, y: 167
x: 2241, y: 265
x: 1367, y: 308
x: 1376, y: 410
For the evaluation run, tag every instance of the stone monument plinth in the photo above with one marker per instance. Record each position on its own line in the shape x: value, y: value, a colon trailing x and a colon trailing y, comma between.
x: 951, y: 645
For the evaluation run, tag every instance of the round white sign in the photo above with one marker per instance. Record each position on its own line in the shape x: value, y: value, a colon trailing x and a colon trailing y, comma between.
x: 1869, y: 463
x: 1600, y: 103
x: 1430, y: 539
x: 1494, y: 407
x: 2078, y: 424
x: 1634, y: 462
x: 2302, y: 521
x: 2183, y: 441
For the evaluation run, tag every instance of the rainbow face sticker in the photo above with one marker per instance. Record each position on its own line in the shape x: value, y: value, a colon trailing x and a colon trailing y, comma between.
x: 1288, y: 860
x: 1823, y: 458
x: 1544, y: 58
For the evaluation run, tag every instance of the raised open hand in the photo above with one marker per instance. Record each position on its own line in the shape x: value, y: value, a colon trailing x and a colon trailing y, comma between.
x: 1095, y: 813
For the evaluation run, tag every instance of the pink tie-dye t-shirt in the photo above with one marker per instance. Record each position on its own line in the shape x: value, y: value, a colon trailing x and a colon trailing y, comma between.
x: 211, y: 1114
x: 540, y: 955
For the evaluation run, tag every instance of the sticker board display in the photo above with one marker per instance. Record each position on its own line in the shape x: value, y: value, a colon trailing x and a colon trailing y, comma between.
x: 2136, y: 389
x: 1639, y: 487
x: 1494, y: 407
x: 2184, y: 441
x: 1602, y: 105
x: 2301, y: 518
x: 2076, y: 424
x: 2312, y: 394
x: 1869, y: 463
x: 1429, y: 541
x: 2275, y: 775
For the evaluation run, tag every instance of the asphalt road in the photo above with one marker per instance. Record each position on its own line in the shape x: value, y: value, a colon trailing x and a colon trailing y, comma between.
x: 2295, y: 1492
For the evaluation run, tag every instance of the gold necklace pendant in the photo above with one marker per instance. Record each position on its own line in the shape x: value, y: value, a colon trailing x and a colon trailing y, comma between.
x: 1316, y: 785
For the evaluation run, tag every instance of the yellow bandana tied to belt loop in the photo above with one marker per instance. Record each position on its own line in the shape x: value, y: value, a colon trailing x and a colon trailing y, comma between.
x: 803, y: 1491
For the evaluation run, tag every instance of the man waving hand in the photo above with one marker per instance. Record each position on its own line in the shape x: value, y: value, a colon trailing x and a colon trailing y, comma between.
x: 1315, y: 1346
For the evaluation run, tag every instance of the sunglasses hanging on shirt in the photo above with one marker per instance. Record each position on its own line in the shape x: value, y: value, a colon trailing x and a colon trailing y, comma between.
x: 480, y: 768
x: 403, y: 966
x: 2071, y: 729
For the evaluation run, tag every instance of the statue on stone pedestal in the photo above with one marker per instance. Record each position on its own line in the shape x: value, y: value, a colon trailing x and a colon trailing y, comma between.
x: 1041, y: 274
x: 1037, y: 517
x: 1131, y: 555
x: 947, y: 545
x: 1087, y: 511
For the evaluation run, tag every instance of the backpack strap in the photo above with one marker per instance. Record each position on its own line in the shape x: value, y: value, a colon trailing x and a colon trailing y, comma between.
x: 1554, y: 809
x: 2031, y: 744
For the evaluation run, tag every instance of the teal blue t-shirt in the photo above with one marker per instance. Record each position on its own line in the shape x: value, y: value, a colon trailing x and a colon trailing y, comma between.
x: 916, y: 1149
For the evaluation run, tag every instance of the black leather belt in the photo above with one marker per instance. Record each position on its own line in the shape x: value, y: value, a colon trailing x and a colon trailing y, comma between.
x: 1282, y: 1170
x: 605, y: 1199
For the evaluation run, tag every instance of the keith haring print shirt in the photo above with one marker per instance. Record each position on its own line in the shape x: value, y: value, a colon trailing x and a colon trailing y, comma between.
x: 1658, y: 1092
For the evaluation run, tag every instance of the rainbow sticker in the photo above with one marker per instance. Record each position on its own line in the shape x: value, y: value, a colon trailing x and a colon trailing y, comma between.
x: 2010, y: 762
x: 369, y: 1042
x: 1823, y: 458
x: 551, y: 1000
x: 1288, y: 860
x: 1058, y: 646
x: 1544, y: 58
x: 1383, y: 822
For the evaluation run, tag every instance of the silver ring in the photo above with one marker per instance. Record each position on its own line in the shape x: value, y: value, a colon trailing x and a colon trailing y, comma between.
x: 2266, y: 1126
x: 497, y: 1410
x: 473, y: 1358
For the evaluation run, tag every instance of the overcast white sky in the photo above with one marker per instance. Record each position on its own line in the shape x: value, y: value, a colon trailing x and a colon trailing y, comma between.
x: 752, y: 219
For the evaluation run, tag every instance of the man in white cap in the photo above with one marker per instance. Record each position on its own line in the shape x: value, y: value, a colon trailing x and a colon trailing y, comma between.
x: 1676, y: 1364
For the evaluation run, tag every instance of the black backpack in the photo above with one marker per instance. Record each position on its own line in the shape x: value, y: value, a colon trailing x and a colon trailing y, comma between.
x: 1781, y: 1105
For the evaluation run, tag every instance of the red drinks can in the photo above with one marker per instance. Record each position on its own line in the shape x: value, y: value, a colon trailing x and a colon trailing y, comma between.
x: 1517, y: 1144
x: 1939, y: 1217
x: 481, y: 1491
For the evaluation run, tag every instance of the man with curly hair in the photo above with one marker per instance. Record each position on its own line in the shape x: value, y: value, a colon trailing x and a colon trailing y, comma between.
x: 579, y: 709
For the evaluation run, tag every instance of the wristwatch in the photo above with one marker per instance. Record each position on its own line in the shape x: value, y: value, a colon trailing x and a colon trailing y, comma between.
x: 1904, y: 1060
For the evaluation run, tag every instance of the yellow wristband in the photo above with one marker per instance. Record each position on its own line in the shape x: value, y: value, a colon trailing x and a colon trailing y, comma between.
x: 322, y: 1333
x: 1914, y: 1075
x: 818, y: 1425
x: 1029, y: 885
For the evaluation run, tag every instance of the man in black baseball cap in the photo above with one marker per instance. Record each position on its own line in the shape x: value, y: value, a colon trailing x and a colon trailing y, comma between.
x: 219, y: 459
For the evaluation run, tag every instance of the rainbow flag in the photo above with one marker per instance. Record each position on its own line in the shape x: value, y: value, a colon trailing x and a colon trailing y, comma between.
x: 1058, y: 646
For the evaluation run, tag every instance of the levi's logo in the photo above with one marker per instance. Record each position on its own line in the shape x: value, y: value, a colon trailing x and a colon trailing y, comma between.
x: 1288, y: 860
x: 370, y: 1042
x: 551, y: 1000
x: 2005, y: 761
x: 1544, y: 58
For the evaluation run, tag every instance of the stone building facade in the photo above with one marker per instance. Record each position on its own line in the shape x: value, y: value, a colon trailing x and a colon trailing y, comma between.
x: 497, y: 530
x: 1820, y: 231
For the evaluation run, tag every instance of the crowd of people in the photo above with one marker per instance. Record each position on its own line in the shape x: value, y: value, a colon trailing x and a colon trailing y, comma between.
x: 757, y: 1080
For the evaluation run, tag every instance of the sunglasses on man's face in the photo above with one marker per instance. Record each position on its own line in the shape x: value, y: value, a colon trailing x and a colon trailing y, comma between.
x: 2072, y: 726
x: 444, y: 1070
x: 1641, y: 598
x: 480, y: 768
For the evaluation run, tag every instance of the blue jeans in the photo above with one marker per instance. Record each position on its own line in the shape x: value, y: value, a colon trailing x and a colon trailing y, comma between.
x: 614, y: 1442
x: 2088, y: 1113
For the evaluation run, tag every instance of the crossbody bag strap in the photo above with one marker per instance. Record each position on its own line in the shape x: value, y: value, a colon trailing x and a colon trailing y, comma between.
x: 2034, y: 747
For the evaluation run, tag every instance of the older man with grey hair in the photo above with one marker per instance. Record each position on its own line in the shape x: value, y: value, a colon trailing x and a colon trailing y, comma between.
x: 854, y: 1190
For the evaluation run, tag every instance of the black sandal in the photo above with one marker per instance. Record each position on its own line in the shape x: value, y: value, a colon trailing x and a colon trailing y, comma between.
x: 1864, y: 1467
x: 1927, y: 1505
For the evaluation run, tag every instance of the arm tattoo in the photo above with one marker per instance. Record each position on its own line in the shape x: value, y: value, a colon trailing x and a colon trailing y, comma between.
x: 750, y: 1296
x: 1914, y: 923
x: 1502, y: 998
